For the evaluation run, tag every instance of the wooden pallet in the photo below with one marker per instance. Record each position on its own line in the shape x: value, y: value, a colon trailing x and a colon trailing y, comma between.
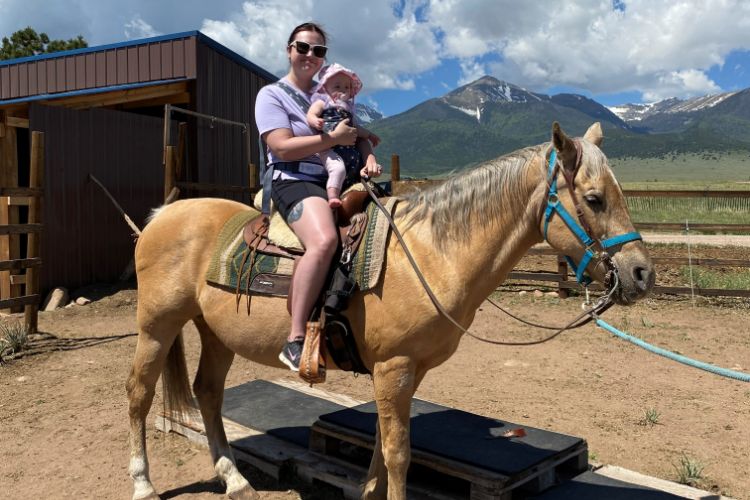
x: 326, y: 439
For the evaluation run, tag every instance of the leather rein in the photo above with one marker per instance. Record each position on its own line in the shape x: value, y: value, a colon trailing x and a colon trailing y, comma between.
x: 582, y: 232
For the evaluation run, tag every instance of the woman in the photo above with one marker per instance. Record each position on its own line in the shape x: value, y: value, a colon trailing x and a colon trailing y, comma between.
x: 299, y: 180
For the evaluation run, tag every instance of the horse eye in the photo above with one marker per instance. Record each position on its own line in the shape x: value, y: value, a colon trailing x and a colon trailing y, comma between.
x: 594, y: 201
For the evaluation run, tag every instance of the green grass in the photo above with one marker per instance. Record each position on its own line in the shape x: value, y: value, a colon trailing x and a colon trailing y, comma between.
x: 714, y: 170
x: 13, y: 338
x: 689, y: 471
x: 650, y: 417
x: 707, y: 278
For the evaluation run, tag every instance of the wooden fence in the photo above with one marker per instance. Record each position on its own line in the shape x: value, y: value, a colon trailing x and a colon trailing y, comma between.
x: 562, y: 277
x: 9, y: 268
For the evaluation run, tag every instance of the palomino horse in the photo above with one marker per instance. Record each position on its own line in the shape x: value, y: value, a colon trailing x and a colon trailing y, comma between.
x: 465, y: 234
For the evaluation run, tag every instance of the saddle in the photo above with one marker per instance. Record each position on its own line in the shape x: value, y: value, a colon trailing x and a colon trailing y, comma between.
x: 352, y: 225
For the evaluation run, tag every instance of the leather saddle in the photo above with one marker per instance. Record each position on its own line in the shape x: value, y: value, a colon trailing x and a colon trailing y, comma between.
x: 352, y: 222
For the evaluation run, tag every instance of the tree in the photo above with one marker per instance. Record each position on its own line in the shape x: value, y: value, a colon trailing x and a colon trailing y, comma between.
x: 27, y: 42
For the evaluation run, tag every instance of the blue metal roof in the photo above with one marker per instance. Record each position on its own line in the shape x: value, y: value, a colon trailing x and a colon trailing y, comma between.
x: 130, y: 43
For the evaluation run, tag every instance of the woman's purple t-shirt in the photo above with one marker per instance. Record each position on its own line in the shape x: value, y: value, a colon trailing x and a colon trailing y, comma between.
x: 274, y: 109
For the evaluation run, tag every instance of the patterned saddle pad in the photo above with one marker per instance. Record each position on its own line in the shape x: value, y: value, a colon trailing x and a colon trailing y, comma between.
x: 231, y: 251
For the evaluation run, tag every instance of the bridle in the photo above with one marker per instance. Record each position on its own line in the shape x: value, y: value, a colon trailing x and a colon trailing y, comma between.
x: 594, y: 248
x: 580, y: 229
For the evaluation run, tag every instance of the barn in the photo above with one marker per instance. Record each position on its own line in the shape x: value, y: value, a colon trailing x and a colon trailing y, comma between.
x: 119, y: 115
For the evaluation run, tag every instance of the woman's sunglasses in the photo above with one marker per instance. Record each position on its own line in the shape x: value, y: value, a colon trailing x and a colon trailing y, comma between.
x: 303, y: 48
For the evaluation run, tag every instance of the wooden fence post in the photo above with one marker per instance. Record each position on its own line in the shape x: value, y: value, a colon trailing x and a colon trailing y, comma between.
x: 395, y: 172
x: 562, y: 270
x: 252, y: 175
x: 169, y: 171
x: 33, y: 248
x: 10, y: 245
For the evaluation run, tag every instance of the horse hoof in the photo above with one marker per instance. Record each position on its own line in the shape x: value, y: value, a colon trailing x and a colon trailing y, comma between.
x: 245, y: 493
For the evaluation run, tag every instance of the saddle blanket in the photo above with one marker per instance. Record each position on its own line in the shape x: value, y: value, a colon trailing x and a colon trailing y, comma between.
x: 231, y: 249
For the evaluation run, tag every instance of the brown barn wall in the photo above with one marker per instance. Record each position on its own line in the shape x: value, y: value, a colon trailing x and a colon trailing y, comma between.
x: 85, y: 239
x: 117, y: 66
x: 225, y: 89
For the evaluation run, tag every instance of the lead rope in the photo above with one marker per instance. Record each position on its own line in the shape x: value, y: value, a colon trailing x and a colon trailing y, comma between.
x: 601, y: 305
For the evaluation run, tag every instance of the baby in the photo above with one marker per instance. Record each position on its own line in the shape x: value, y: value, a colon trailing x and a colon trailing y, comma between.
x: 332, y: 103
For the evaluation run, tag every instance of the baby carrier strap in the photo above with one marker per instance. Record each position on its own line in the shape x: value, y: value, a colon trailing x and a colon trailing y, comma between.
x: 266, y: 172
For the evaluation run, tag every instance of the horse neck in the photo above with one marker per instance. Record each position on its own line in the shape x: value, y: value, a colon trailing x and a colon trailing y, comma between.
x: 468, y: 269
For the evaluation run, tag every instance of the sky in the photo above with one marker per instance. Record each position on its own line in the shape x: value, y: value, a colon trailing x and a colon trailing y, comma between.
x: 408, y: 51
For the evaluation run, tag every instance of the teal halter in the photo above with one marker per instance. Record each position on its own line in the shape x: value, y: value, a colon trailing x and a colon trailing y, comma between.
x: 554, y: 206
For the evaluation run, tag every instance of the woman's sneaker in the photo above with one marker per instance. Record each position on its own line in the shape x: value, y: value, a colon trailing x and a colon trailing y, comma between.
x: 291, y: 354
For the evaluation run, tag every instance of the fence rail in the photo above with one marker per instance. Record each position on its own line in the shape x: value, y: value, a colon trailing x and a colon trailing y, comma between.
x: 740, y: 200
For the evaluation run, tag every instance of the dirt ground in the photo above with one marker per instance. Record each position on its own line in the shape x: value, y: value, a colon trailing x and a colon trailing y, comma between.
x: 63, y: 415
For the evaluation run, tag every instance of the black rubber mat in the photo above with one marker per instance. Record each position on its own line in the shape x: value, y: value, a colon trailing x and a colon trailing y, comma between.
x: 592, y: 486
x: 281, y: 412
x: 465, y: 437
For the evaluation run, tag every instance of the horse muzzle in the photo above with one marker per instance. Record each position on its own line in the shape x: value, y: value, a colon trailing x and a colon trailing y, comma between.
x: 635, y: 277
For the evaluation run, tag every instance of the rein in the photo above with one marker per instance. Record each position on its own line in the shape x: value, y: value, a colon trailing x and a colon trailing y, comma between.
x: 582, y: 233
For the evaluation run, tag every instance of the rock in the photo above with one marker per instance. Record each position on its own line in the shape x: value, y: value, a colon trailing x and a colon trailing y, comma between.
x: 82, y: 301
x: 552, y: 294
x: 523, y: 293
x: 72, y: 304
x: 56, y: 298
x: 538, y: 293
x: 23, y: 378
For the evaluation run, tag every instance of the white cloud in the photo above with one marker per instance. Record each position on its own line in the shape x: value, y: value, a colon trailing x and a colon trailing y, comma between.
x: 659, y: 47
x: 471, y: 70
x: 138, y: 28
x: 385, y: 49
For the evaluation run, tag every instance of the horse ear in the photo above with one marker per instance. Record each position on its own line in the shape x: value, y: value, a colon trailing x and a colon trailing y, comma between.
x: 594, y: 134
x: 565, y: 147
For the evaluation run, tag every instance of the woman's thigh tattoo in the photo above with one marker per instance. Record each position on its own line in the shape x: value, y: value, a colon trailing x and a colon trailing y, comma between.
x: 296, y: 212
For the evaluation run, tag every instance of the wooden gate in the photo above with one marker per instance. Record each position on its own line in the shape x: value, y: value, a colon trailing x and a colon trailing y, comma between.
x: 16, y: 272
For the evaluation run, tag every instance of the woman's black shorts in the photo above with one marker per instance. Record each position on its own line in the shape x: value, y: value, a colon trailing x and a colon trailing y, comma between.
x: 287, y: 193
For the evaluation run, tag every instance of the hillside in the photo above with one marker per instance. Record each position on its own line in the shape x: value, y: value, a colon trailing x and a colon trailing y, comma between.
x: 489, y: 117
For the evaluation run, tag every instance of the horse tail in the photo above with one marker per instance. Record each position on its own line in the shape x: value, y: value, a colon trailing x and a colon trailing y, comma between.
x: 177, y: 392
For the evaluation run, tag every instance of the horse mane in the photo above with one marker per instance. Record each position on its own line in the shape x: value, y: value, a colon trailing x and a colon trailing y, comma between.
x: 494, y: 191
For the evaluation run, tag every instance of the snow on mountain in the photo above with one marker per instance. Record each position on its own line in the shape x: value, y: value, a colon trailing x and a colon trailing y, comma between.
x: 638, y: 112
x: 472, y: 98
x: 367, y: 114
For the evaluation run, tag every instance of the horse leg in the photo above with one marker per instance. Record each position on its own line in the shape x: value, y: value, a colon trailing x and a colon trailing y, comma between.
x: 148, y: 363
x: 395, y: 381
x: 215, y: 361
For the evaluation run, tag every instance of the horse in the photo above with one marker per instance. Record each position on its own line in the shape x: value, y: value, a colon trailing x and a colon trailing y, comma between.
x: 465, y: 234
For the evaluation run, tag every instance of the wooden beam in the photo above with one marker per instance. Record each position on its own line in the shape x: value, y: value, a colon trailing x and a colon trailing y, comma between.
x: 21, y: 191
x: 19, y: 301
x: 18, y: 264
x: 15, y: 121
x: 19, y: 201
x: 118, y: 96
x: 178, y: 98
x: 33, y: 248
x: 170, y: 171
x: 20, y: 229
x: 17, y: 279
x: 10, y: 243
x: 2, y: 130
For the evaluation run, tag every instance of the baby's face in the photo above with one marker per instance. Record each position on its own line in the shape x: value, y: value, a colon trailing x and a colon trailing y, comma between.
x: 339, y: 87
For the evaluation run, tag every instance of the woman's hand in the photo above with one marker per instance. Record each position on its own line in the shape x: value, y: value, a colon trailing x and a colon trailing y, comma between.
x: 344, y: 134
x: 372, y: 168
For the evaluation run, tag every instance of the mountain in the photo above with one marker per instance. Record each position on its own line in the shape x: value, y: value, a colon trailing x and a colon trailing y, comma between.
x: 670, y: 115
x: 639, y: 112
x: 483, y: 120
x: 367, y: 114
x: 488, y: 117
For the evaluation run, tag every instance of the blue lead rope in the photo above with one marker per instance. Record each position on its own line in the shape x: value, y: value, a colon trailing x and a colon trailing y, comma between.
x: 724, y: 372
